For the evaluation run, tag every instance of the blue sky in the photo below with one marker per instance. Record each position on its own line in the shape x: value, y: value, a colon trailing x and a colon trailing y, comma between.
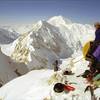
x: 29, y: 11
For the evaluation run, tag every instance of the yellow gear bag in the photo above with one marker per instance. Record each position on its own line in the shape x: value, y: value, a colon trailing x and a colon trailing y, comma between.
x: 86, y: 48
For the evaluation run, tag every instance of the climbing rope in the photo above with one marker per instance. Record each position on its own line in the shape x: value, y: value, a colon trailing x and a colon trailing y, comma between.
x: 75, y: 61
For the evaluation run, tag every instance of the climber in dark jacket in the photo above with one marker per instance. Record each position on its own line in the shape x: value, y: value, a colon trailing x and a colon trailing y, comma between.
x: 94, y: 50
x: 96, y: 41
x: 97, y: 32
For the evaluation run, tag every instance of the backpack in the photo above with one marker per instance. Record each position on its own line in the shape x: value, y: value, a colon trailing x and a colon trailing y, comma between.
x: 91, y: 50
x: 86, y: 51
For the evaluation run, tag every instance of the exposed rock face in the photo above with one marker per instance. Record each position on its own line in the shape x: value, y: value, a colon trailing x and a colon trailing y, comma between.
x: 6, y: 72
x: 8, y: 67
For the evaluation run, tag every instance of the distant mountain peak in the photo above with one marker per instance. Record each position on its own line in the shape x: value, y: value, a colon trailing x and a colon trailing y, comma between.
x: 41, y: 24
x: 59, y: 20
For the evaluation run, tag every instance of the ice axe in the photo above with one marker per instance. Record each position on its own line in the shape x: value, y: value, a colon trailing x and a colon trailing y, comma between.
x: 90, y: 88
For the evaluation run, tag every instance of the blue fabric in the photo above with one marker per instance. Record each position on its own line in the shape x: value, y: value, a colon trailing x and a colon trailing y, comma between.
x: 97, y: 35
x: 97, y: 53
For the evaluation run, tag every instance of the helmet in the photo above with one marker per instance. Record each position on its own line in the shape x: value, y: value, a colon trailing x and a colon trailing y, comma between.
x: 58, y: 87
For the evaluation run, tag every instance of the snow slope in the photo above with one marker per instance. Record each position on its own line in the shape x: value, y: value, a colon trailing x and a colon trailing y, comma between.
x: 32, y: 80
x: 36, y: 86
x: 8, y: 49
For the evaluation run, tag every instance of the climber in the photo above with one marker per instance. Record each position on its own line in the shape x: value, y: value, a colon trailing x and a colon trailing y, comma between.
x: 56, y: 64
x: 1, y: 84
x: 93, y: 54
x: 59, y: 87
x: 96, y: 41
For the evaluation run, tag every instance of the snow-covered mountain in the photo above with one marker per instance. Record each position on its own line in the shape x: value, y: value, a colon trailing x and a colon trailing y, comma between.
x: 50, y: 40
x: 7, y: 37
x: 59, y: 20
x: 43, y: 44
x: 75, y: 34
x: 19, y: 28
x: 46, y: 41
x: 7, y: 40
